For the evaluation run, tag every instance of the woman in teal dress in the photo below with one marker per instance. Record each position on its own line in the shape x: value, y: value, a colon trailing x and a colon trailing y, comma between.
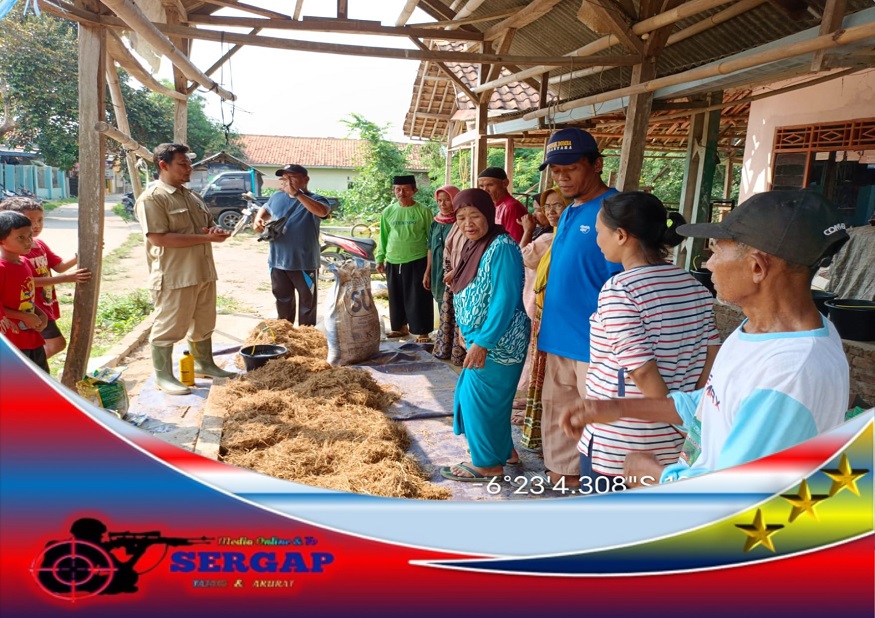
x: 488, y: 285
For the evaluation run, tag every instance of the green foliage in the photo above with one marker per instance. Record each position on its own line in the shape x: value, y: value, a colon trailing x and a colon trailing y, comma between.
x: 38, y: 80
x: 120, y: 314
x: 39, y: 72
x: 372, y: 189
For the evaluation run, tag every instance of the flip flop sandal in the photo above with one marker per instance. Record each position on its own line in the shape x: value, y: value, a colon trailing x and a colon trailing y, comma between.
x: 394, y: 334
x: 447, y: 473
x: 517, y: 462
x: 422, y: 340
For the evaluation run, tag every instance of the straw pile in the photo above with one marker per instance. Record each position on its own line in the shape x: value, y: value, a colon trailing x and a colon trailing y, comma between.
x: 300, y: 419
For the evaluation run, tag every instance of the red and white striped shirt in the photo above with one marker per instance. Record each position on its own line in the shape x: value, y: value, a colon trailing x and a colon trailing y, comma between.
x: 655, y: 312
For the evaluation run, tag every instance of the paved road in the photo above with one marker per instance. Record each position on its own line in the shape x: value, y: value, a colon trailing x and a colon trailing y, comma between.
x: 61, y: 234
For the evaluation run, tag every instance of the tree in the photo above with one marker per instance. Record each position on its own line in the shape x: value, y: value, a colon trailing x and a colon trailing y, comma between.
x: 40, y: 62
x: 41, y: 100
x: 381, y: 160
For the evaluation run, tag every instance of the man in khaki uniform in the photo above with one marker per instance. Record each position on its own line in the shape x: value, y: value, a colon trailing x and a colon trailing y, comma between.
x: 179, y: 231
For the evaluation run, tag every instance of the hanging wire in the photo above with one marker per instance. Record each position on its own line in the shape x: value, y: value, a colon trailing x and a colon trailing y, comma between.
x: 226, y: 126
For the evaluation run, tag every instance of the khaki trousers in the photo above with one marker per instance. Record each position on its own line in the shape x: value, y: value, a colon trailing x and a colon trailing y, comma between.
x: 564, y: 386
x: 184, y: 313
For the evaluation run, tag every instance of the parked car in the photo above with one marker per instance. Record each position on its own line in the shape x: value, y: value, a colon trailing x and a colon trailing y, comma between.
x: 224, y: 197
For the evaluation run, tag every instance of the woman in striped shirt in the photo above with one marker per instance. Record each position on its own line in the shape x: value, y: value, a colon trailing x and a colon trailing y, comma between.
x: 653, y: 333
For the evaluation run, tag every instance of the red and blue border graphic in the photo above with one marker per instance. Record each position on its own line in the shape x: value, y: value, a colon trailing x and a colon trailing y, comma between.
x: 99, y: 519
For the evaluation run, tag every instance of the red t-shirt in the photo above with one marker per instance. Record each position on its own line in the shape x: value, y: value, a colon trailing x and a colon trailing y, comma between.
x: 17, y: 293
x: 43, y: 259
x: 507, y: 212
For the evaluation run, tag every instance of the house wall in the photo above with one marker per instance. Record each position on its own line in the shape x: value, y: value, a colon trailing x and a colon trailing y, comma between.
x: 844, y: 98
x: 332, y: 179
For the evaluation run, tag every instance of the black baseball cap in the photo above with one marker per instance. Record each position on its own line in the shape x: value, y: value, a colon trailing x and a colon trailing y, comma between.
x: 569, y: 146
x: 292, y: 168
x: 801, y: 227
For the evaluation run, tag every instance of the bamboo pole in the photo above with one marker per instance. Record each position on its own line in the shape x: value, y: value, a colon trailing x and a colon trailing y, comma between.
x: 406, y: 12
x: 126, y: 60
x: 125, y: 140
x: 844, y: 37
x: 133, y: 16
x: 121, y: 117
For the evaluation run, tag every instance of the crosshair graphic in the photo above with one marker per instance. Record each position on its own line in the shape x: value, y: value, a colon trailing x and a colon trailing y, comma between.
x: 73, y: 569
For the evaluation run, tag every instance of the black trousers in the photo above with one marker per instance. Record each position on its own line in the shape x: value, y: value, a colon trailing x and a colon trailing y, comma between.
x: 284, y: 284
x: 409, y: 302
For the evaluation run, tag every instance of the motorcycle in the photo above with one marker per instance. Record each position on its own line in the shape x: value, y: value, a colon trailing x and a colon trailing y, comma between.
x: 128, y: 202
x: 247, y: 216
x: 337, y: 249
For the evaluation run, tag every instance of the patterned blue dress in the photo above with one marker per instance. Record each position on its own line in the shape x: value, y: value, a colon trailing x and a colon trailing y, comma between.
x: 490, y: 313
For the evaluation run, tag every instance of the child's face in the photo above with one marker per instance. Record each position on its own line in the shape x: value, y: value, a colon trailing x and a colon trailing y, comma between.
x: 36, y: 221
x: 19, y: 242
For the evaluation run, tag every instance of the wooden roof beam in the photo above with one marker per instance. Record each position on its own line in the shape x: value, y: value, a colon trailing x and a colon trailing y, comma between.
x: 843, y: 37
x: 298, y: 6
x: 406, y: 12
x: 248, y: 8
x: 833, y: 14
x: 342, y: 9
x: 467, y: 21
x: 618, y: 27
x: 126, y: 60
x: 131, y: 15
x: 384, y: 52
x: 126, y: 141
x: 502, y: 45
x: 176, y: 5
x: 329, y: 24
x: 532, y: 12
x: 688, y: 9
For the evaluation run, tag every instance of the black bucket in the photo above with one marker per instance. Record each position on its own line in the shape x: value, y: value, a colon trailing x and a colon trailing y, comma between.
x: 255, y: 356
x: 703, y: 276
x: 820, y: 297
x: 854, y: 319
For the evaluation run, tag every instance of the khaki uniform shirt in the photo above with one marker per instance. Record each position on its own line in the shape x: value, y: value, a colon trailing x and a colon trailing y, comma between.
x: 165, y: 209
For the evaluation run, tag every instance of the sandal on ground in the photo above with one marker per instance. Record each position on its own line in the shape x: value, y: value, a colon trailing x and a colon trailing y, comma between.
x: 394, y: 334
x: 422, y: 339
x: 514, y: 462
x: 476, y: 477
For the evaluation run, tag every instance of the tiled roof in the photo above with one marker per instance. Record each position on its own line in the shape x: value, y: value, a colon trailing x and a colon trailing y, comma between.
x: 327, y: 152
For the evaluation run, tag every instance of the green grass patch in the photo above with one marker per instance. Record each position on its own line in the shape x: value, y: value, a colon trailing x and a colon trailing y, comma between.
x: 120, y: 210
x: 116, y: 317
x: 226, y: 305
x: 50, y: 206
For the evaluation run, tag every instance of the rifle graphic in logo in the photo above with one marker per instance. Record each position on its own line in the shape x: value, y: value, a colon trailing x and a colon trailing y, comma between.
x: 84, y: 565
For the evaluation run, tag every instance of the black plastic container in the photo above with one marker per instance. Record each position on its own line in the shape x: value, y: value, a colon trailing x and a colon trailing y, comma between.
x: 703, y: 276
x: 820, y: 297
x: 854, y: 319
x: 255, y: 356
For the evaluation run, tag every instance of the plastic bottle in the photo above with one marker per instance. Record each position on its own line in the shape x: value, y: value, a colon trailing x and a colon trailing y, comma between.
x: 186, y: 369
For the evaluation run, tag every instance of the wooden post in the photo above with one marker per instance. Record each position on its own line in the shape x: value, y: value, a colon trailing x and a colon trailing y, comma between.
x: 180, y: 84
x: 448, y: 169
x: 478, y: 163
x: 508, y: 161
x: 695, y: 203
x: 635, y: 134
x: 728, y: 179
x: 92, y: 162
x: 121, y: 118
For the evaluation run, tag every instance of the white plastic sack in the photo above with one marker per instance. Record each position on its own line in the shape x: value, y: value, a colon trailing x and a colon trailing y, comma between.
x: 352, y: 325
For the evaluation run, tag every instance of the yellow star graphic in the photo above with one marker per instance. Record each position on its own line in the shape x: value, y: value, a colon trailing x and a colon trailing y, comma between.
x: 803, y: 502
x: 844, y: 477
x: 759, y: 533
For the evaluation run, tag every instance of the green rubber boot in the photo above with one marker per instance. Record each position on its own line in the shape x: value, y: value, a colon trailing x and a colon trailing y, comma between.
x: 162, y: 361
x: 204, y: 366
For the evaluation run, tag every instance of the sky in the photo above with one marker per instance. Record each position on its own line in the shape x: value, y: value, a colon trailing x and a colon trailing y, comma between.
x: 305, y: 94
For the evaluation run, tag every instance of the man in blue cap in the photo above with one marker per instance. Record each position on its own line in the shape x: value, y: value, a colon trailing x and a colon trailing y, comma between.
x: 578, y: 269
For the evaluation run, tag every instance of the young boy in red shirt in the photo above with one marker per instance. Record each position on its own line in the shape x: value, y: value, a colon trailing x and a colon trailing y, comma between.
x: 44, y: 261
x: 17, y: 289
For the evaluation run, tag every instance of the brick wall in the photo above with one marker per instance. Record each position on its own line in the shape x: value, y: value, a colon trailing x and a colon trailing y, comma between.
x: 861, y: 356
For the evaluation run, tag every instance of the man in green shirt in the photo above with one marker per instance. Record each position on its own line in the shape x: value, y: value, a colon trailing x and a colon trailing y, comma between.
x: 402, y: 255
